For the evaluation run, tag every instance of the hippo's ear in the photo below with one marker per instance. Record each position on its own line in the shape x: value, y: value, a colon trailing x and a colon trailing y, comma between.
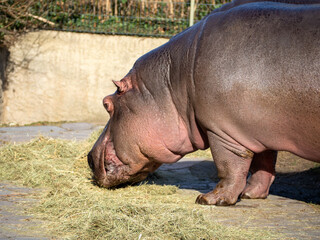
x: 124, y: 85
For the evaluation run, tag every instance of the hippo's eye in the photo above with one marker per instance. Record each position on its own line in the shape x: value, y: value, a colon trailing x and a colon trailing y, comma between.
x: 108, y: 105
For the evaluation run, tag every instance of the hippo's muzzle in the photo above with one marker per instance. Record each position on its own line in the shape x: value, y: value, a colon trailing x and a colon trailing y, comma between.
x: 96, y: 162
x: 90, y: 161
x: 108, y: 170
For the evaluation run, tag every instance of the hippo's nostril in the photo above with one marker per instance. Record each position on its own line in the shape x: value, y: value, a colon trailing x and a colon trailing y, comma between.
x: 90, y: 160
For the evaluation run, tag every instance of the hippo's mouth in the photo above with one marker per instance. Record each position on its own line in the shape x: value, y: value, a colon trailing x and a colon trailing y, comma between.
x: 110, y: 171
x: 114, y: 172
x: 117, y: 175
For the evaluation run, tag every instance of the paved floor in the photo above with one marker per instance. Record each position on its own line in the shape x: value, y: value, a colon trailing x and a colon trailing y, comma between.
x: 284, y: 215
x: 291, y: 218
x: 76, y: 131
x: 14, y: 224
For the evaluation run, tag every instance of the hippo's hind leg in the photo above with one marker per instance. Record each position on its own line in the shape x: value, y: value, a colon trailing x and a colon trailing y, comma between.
x: 262, y: 175
x: 233, y: 162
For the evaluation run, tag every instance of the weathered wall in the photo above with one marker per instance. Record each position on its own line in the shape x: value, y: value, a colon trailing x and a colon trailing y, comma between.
x: 58, y: 76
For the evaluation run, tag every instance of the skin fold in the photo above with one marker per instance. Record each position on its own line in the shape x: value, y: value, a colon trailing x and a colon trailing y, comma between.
x: 244, y: 81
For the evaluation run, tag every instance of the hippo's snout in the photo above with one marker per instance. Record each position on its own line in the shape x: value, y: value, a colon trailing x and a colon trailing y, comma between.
x: 90, y: 160
x: 96, y: 162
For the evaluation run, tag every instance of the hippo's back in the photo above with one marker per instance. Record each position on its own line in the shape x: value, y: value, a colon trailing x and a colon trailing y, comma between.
x: 260, y: 65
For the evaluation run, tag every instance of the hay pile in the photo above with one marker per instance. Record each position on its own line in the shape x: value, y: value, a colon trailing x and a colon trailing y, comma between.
x: 73, y: 207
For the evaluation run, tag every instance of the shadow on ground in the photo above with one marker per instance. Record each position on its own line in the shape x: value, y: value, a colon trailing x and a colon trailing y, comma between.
x: 290, y: 182
x: 302, y: 186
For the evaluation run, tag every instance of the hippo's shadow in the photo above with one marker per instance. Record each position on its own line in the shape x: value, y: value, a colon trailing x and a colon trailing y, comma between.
x: 202, y: 176
x: 302, y: 186
x: 187, y: 174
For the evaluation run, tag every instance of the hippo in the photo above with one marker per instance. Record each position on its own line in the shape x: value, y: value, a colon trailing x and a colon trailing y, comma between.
x: 244, y: 81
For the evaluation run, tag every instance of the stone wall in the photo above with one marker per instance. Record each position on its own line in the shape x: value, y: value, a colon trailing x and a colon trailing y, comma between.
x: 63, y: 76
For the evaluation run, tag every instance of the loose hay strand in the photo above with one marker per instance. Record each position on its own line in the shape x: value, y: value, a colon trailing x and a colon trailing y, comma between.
x: 72, y: 207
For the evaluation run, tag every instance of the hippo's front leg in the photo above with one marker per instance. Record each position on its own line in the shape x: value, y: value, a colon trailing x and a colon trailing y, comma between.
x: 233, y: 162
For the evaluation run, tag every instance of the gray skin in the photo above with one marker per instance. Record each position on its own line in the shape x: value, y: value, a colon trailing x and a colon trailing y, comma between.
x: 244, y: 81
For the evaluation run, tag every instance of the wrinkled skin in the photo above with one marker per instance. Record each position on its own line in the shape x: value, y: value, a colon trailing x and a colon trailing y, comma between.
x: 244, y: 81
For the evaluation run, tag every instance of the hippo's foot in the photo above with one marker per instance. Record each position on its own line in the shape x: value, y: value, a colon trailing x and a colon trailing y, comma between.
x: 263, y: 170
x: 215, y: 199
x: 233, y: 162
x: 219, y: 196
x: 258, y: 186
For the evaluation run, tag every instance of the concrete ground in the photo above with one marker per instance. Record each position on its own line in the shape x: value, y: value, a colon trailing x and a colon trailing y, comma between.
x: 286, y: 211
x: 14, y: 223
x: 72, y: 131
x: 280, y: 213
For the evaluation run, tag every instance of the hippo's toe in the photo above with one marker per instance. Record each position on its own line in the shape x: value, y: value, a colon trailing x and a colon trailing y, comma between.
x: 214, y: 198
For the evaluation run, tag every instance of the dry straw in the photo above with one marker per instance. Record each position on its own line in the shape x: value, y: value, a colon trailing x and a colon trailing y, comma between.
x: 71, y: 206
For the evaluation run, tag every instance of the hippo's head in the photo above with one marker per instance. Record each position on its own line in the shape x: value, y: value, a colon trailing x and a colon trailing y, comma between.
x: 143, y: 132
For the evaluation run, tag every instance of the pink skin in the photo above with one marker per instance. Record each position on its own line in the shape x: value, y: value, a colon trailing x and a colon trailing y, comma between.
x: 154, y: 142
x: 245, y: 99
x: 160, y: 141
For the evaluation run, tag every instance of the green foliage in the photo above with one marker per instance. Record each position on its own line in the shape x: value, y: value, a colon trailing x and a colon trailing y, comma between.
x: 132, y: 17
x: 18, y: 16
